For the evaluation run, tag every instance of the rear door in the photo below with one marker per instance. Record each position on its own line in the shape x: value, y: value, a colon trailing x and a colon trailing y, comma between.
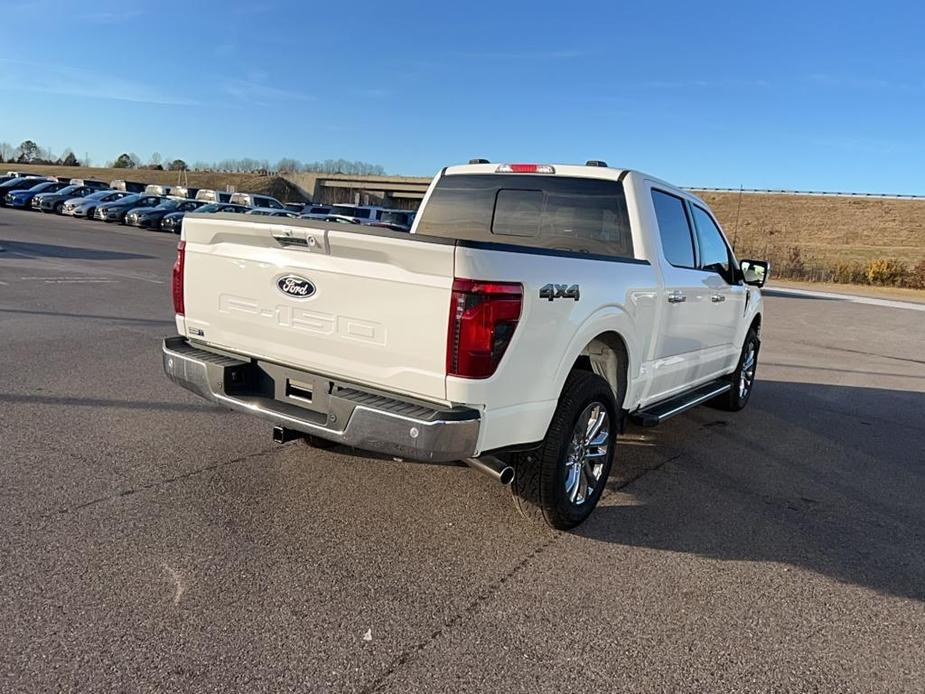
x: 368, y: 307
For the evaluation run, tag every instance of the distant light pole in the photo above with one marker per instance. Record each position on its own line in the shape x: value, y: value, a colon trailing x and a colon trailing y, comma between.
x: 735, y: 232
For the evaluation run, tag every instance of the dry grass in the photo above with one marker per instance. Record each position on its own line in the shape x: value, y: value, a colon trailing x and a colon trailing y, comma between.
x: 826, y: 229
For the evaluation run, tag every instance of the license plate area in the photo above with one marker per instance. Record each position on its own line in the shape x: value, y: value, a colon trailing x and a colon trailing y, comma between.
x: 285, y: 385
x: 299, y: 391
x: 298, y: 388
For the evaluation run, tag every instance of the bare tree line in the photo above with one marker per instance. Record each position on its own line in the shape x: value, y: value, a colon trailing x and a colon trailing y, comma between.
x: 29, y: 152
x: 286, y: 165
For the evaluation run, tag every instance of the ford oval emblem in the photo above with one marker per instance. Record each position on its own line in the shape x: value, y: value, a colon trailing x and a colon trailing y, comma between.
x: 295, y: 286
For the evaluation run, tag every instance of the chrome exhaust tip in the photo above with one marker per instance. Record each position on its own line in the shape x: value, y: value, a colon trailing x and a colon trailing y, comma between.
x: 493, y: 467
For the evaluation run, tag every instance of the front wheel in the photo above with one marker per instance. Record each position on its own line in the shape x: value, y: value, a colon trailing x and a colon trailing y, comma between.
x: 562, y: 481
x: 743, y: 378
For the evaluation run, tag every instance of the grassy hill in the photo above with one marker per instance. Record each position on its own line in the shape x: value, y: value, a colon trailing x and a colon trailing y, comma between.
x: 827, y: 228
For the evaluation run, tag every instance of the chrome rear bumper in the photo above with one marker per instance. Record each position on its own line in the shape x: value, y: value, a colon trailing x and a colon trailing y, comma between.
x: 346, y: 415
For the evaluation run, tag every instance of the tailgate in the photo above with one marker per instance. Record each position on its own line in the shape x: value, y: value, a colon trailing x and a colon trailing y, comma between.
x: 369, y: 307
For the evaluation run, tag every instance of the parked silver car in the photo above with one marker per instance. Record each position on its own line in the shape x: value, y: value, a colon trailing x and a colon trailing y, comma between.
x: 86, y: 206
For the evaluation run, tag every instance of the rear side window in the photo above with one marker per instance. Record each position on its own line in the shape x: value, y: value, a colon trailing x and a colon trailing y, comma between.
x: 583, y: 215
x: 674, y: 229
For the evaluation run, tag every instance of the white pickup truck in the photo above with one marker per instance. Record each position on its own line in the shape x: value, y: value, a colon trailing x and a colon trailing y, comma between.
x: 531, y: 310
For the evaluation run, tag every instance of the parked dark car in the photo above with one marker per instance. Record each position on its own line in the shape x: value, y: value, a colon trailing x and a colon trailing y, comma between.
x: 297, y: 207
x: 86, y: 206
x: 150, y: 217
x: 14, y: 184
x: 54, y: 202
x: 22, y: 198
x: 174, y: 220
x: 116, y: 211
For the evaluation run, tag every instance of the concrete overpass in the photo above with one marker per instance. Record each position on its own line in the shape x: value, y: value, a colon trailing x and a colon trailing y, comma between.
x: 404, y: 192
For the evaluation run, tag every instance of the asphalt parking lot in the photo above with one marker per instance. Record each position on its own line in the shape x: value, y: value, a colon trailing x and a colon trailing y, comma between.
x: 152, y: 542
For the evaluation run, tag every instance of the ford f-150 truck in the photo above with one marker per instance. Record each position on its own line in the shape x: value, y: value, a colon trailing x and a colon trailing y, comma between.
x: 532, y: 309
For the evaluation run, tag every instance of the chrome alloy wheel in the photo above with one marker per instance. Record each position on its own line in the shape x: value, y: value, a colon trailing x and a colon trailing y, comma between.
x: 587, y: 453
x: 747, y: 375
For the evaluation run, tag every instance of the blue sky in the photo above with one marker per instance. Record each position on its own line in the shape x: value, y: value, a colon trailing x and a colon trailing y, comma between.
x: 822, y: 96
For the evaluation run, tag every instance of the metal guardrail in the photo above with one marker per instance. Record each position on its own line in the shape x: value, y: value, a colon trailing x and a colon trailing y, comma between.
x: 820, y: 193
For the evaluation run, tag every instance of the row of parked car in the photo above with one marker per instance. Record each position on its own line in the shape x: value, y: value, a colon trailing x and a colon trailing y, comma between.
x: 163, y: 207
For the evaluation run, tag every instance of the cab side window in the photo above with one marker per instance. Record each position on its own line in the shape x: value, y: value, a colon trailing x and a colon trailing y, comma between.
x: 714, y: 254
x: 674, y: 229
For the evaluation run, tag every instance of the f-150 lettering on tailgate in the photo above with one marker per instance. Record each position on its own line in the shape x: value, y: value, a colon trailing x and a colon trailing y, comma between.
x: 317, y: 322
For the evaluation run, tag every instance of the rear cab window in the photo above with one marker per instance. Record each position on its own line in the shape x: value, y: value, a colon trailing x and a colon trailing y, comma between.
x: 674, y: 229
x: 563, y: 213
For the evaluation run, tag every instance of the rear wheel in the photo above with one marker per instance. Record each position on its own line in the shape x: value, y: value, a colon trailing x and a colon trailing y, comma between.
x: 743, y: 378
x: 562, y: 481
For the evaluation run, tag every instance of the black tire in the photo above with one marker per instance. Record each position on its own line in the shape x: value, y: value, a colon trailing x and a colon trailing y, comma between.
x: 540, y: 484
x: 59, y: 208
x: 743, y: 378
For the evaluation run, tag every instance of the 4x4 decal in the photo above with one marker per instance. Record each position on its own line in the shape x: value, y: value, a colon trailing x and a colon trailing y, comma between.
x: 560, y: 291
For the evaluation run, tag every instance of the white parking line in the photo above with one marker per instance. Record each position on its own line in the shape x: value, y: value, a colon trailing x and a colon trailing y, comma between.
x: 71, y: 280
x: 852, y: 298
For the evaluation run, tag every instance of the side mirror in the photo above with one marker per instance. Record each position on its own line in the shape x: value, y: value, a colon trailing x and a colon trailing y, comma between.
x: 755, y: 272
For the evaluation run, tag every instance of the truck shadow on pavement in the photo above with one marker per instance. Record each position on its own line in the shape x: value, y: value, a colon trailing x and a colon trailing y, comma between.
x: 45, y: 250
x: 821, y: 477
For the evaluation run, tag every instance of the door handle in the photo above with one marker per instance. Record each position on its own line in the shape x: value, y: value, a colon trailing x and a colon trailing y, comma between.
x: 676, y: 298
x: 717, y: 298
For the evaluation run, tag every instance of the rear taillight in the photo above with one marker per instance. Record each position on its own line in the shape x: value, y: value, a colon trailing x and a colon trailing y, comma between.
x: 483, y: 316
x: 178, y: 306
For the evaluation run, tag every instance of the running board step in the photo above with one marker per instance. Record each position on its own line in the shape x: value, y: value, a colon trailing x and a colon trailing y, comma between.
x: 656, y: 414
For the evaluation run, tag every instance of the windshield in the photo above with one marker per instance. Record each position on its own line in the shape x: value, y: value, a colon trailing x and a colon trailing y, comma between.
x: 214, y: 207
x: 70, y: 189
x: 129, y: 199
x: 15, y: 182
x: 42, y: 186
x: 168, y: 205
